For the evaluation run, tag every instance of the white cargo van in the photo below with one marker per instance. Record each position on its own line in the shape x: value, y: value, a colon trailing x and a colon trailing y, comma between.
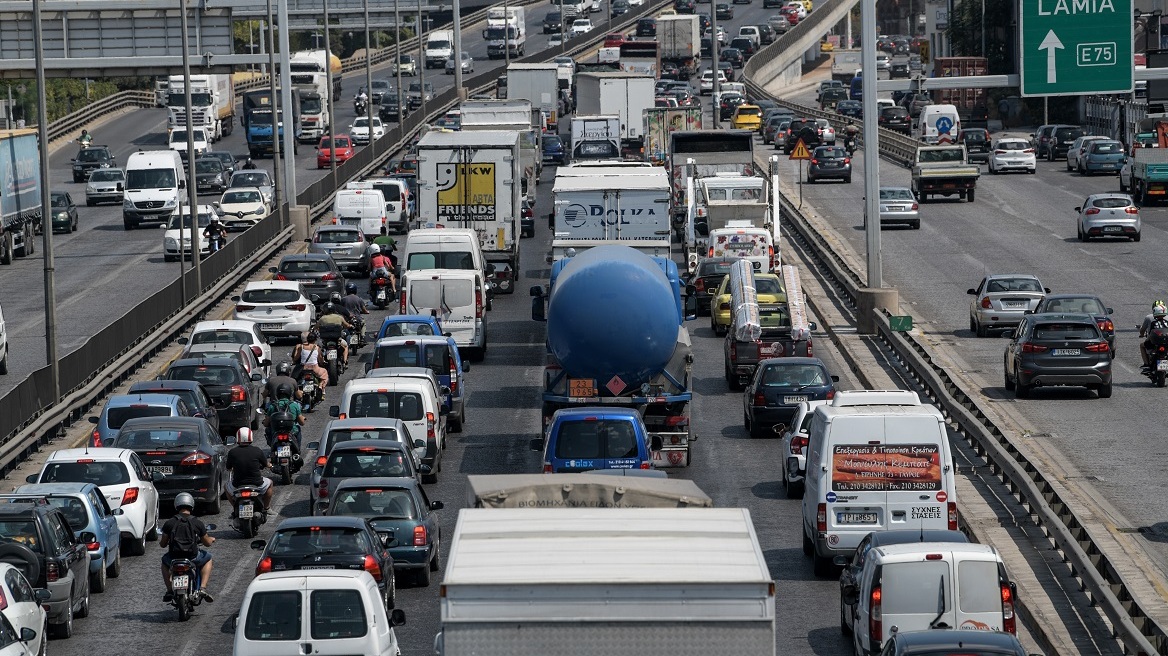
x: 396, y: 193
x: 445, y: 248
x: 457, y: 297
x: 361, y: 208
x: 937, y: 122
x: 741, y: 239
x: 154, y: 184
x: 331, y: 611
x: 876, y: 460
x: 926, y: 585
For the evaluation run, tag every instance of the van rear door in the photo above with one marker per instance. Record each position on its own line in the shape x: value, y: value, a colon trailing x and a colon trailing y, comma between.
x: 979, y: 594
x: 274, y: 621
x: 339, y: 618
x: 914, y: 594
x: 452, y: 298
x: 914, y: 478
x: 856, y: 494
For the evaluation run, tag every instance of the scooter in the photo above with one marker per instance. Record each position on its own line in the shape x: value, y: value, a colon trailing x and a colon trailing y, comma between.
x: 379, y: 291
x: 850, y: 145
x: 285, y: 456
x: 215, y: 242
x: 185, y: 579
x: 249, y: 510
x: 1157, y: 346
x: 359, y: 107
x: 333, y: 363
x: 311, y: 392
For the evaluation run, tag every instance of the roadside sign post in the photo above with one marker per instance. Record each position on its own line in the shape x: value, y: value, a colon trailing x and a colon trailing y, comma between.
x: 1072, y: 47
x: 800, y: 153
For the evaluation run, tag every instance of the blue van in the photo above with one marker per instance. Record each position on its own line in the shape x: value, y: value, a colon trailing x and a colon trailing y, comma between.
x: 856, y: 92
x: 437, y: 353
x: 584, y: 439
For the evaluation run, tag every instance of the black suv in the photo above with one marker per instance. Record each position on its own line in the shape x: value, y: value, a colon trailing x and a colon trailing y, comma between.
x: 802, y: 128
x: 685, y: 6
x: 895, y: 118
x: 552, y: 23
x: 387, y: 110
x: 1061, y: 139
x: 91, y: 158
x: 36, y: 538
x: 647, y: 27
x: 235, y: 394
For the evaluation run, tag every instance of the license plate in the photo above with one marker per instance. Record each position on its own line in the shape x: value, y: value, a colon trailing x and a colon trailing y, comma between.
x: 1066, y: 352
x: 180, y: 581
x: 318, y: 567
x: 308, y: 388
x: 271, y: 326
x: 161, y: 470
x: 283, y: 452
x: 855, y: 518
x: 790, y: 400
x: 1112, y: 229
x: 381, y: 294
x: 246, y: 511
x: 1162, y: 365
x: 896, y: 208
x: 1014, y: 304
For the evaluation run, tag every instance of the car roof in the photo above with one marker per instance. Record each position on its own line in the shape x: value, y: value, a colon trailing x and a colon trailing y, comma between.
x: 386, y: 445
x: 401, y: 372
x: 236, y: 189
x: 68, y: 487
x: 378, y: 481
x: 305, y: 257
x: 363, y: 422
x: 1081, y: 317
x: 97, y: 454
x: 998, y: 276
x: 137, y: 398
x: 273, y: 284
x: 1110, y: 194
x: 423, y: 339
x: 793, y: 361
x: 224, y: 324
x: 206, y: 362
x: 341, y: 521
x: 969, y: 641
x: 145, y: 385
x: 907, y: 536
x: 593, y: 411
x: 905, y: 551
x: 1056, y: 297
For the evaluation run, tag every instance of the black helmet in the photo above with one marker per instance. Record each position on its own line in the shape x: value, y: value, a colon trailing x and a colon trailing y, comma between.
x: 284, y: 391
x: 329, y: 307
x: 351, y: 287
x: 283, y: 369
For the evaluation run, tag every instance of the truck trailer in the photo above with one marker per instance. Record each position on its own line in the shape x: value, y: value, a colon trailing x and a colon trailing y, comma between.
x: 518, y: 115
x: 660, y: 122
x: 539, y: 84
x: 506, y: 31
x: 612, y: 581
x: 698, y: 153
x: 212, y: 104
x: 681, y: 42
x: 596, y: 205
x: 20, y: 196
x: 626, y: 95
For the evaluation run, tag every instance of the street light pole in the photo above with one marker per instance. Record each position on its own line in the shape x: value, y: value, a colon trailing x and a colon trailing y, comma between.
x: 457, y: 45
x: 278, y: 185
x: 46, y: 206
x: 871, y: 145
x: 332, y: 113
x: 369, y: 77
x: 714, y: 61
x: 192, y: 191
x: 397, y: 33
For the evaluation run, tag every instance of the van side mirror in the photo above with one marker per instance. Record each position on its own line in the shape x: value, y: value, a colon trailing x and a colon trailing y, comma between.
x: 31, y: 478
x: 425, y: 469
x: 691, y: 307
x: 655, y: 443
x: 850, y: 595
x: 313, y: 446
x: 93, y: 420
x: 334, y: 411
x: 397, y: 617
x: 27, y: 634
x: 536, y: 444
x: 419, y: 443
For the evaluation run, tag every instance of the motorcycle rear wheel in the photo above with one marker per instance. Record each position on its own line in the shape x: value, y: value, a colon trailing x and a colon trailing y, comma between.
x: 1161, y: 378
x: 286, y: 475
x: 184, y: 607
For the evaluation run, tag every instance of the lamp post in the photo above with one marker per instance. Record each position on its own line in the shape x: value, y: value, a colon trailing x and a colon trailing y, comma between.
x: 397, y: 32
x: 46, y: 204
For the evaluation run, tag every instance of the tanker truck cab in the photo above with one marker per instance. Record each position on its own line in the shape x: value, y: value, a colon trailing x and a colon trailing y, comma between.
x: 876, y: 460
x: 924, y: 585
x: 586, y: 439
x: 154, y: 182
x: 455, y: 297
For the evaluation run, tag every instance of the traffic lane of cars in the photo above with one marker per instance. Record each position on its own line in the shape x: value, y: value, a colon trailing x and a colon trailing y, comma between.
x: 1009, y: 231
x: 107, y: 256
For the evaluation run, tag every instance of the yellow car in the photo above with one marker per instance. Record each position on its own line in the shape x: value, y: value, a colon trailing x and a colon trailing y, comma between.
x: 807, y: 5
x: 767, y: 285
x: 746, y: 117
x: 826, y: 46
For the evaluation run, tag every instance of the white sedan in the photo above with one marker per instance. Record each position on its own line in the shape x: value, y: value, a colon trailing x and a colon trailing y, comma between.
x: 125, y: 482
x: 1011, y: 154
x: 245, y: 333
x: 241, y: 207
x: 580, y: 26
x: 178, y: 231
x: 22, y: 609
x: 359, y: 130
x: 706, y: 83
x: 280, y: 307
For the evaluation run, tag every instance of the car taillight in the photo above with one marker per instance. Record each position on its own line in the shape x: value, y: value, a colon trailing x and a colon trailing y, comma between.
x: 280, y: 276
x: 711, y: 252
x: 952, y: 508
x: 372, y: 566
x: 244, y: 308
x: 1028, y: 347
x: 1101, y: 347
x: 478, y: 303
x: 875, y: 620
x: 999, y: 152
x: 815, y: 162
x: 322, y: 490
x: 830, y: 394
x: 129, y: 496
x: 985, y: 302
x: 328, y: 276
x: 264, y: 566
x: 547, y: 468
x: 52, y: 572
x: 1092, y: 210
x: 821, y: 518
x: 700, y: 285
x: 401, y: 297
x: 1009, y: 623
x: 797, y: 443
x: 810, y: 349
x: 1028, y: 150
x: 4, y: 599
x: 196, y: 458
x: 238, y: 394
x: 847, y: 160
x: 419, y: 536
x: 1105, y: 324
x: 430, y: 425
x: 299, y: 307
x: 916, y: 207
x: 1132, y: 210
x: 453, y: 377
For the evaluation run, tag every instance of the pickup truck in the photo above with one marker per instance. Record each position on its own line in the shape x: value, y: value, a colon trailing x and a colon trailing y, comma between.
x: 944, y: 171
x: 1145, y: 174
x: 777, y: 340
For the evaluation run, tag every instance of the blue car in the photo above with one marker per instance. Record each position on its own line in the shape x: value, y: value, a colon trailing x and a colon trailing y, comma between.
x: 434, y: 352
x: 778, y: 387
x: 852, y: 108
x: 553, y: 149
x: 585, y: 439
x: 86, y: 510
x: 124, y: 407
x: 1102, y: 157
x: 408, y: 325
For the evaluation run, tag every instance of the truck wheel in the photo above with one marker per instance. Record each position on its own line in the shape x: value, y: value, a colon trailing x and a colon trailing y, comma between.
x: 6, y: 248
x: 969, y: 195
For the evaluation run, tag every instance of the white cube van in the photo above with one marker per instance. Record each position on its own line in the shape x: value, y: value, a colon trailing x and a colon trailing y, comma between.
x: 396, y: 194
x: 444, y: 248
x: 748, y: 242
x: 154, y: 182
x: 331, y: 611
x: 457, y: 297
x: 876, y: 460
x: 361, y: 208
x: 927, y: 585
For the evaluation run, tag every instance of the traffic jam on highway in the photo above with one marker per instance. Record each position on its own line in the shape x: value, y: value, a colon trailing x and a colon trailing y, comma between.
x: 370, y: 446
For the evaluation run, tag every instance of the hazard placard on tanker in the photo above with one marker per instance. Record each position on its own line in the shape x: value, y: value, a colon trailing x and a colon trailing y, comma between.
x: 466, y: 192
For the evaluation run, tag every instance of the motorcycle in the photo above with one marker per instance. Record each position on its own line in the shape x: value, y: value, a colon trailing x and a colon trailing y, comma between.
x: 333, y: 363
x: 249, y: 510
x: 285, y: 456
x: 379, y: 291
x: 311, y: 392
x: 215, y: 241
x: 1157, y: 348
x: 850, y: 145
x: 185, y: 579
x: 360, y: 106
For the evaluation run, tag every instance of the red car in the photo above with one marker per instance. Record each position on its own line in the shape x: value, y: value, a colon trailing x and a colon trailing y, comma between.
x: 615, y: 40
x: 792, y: 15
x: 344, y: 150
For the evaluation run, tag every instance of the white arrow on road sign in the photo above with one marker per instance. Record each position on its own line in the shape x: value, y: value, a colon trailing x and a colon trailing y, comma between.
x: 1050, y: 44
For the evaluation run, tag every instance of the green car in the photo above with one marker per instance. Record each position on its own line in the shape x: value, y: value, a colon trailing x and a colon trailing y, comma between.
x: 64, y: 212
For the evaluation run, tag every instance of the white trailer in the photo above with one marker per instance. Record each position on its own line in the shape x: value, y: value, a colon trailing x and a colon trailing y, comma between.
x: 538, y: 83
x: 596, y: 205
x: 516, y: 115
x: 471, y: 179
x: 212, y: 104
x: 616, y: 581
x: 626, y: 95
x: 506, y: 31
x: 595, y: 137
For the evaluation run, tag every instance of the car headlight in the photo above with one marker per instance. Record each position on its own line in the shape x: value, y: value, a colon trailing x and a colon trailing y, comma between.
x: 170, y: 202
x: 170, y: 242
x: 259, y: 211
x: 105, y: 165
x: 127, y: 204
x: 77, y: 167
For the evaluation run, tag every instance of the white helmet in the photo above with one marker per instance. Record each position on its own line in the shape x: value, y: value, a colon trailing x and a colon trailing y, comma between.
x: 244, y: 436
x: 374, y: 249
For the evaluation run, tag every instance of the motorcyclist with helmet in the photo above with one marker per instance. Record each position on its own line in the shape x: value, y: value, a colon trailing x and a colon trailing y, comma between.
x: 381, y: 266
x: 246, y: 462
x: 215, y: 231
x: 1157, y: 320
x: 355, y: 305
x: 191, y: 527
x: 283, y: 377
x: 332, y: 325
x: 284, y: 403
x: 249, y: 165
x: 851, y: 135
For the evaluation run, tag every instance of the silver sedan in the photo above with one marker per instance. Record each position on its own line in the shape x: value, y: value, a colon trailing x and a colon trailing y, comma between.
x: 1108, y: 215
x: 1000, y: 301
x: 898, y: 206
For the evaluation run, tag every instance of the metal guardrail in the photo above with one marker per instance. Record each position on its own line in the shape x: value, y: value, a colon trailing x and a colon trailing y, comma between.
x: 1135, y: 630
x: 91, y: 112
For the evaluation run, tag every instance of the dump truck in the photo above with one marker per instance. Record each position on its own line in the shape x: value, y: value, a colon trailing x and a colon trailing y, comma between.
x: 681, y: 42
x: 212, y: 104
x: 20, y: 195
x: 594, y: 205
x: 660, y: 122
x: 722, y: 200
x: 944, y: 171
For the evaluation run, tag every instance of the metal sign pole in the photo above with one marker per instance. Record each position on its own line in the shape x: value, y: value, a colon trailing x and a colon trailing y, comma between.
x: 457, y: 45
x: 369, y: 79
x: 870, y: 82
x: 328, y: 50
x: 713, y: 61
x: 192, y: 191
x: 397, y: 33
x: 289, y: 141
x: 46, y: 208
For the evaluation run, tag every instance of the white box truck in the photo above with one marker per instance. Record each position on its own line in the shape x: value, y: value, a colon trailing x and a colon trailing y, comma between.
x: 595, y: 205
x: 212, y: 104
x: 540, y: 84
x: 472, y: 179
x: 584, y: 581
x: 439, y: 48
x: 518, y: 115
x: 626, y: 95
x: 506, y: 30
x: 680, y: 37
x: 595, y: 137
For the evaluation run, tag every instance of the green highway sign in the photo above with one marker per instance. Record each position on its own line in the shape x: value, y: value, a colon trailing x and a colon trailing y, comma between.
x: 1076, y: 46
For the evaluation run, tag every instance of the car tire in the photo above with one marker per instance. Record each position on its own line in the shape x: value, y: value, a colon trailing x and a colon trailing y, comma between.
x: 1104, y: 391
x: 1007, y: 382
x: 152, y: 534
x: 422, y: 577
x: 969, y: 195
x: 808, y: 545
x: 134, y: 547
x: 115, y: 568
x: 1079, y: 233
x: 916, y: 225
x: 97, y: 579
x: 89, y: 203
x: 83, y: 610
x: 4, y: 365
x: 1032, y: 171
x: 843, y: 622
x: 64, y: 630
x: 1021, y: 391
x: 214, y: 507
x: 1136, y: 237
x: 980, y: 330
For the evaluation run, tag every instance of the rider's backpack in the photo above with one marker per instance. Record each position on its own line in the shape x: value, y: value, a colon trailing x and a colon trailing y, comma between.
x: 183, y: 538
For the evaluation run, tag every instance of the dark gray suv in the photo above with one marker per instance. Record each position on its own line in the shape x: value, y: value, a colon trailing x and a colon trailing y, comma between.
x: 1058, y: 349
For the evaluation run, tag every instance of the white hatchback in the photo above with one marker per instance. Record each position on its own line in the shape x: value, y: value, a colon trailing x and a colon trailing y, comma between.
x: 177, y: 238
x: 20, y: 605
x: 706, y: 83
x: 794, y: 449
x: 280, y: 307
x: 241, y: 207
x: 123, y: 480
x: 1012, y: 154
x: 359, y: 130
x: 580, y: 26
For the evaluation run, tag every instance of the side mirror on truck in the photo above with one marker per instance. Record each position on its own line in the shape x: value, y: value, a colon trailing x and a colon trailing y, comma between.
x: 538, y: 311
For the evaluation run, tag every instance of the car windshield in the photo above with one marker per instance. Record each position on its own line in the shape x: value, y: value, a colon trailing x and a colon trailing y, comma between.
x: 107, y: 175
x: 249, y: 179
x: 207, y: 375
x: 21, y: 531
x: 381, y: 85
x: 406, y: 406
x: 311, y: 540
x: 174, y: 223
x: 150, y: 179
x: 352, y: 463
x: 896, y: 194
x: 304, y: 266
x: 270, y: 295
x: 1107, y: 147
x: 596, y: 438
x: 157, y: 438
x: 749, y: 111
x: 338, y: 237
x: 1111, y: 202
x: 98, y: 473
x: 115, y: 417
x: 342, y: 142
x: 1013, y: 145
x: 1068, y: 134
x: 208, y: 166
x: 407, y: 328
x: 1066, y: 330
x: 831, y: 152
x: 58, y: 200
x: 92, y: 155
x: 221, y: 337
x: 341, y: 435
x: 362, y: 122
x: 238, y: 197
x: 381, y: 503
x: 1014, y: 285
x: 977, y: 136
x: 794, y: 375
x: 717, y: 267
